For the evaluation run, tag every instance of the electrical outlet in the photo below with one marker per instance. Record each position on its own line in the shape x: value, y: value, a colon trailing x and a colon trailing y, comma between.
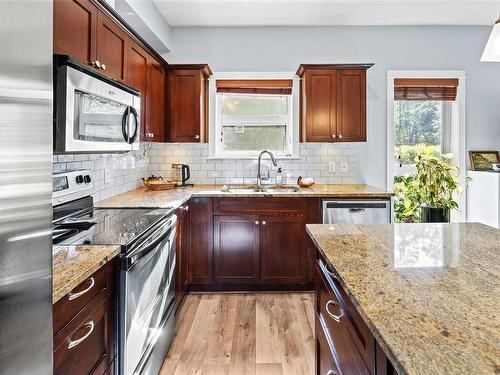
x: 344, y: 167
x: 107, y: 176
x: 331, y: 167
x: 107, y: 222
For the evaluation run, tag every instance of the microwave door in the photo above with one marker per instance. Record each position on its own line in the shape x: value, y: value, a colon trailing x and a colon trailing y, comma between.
x: 98, y: 116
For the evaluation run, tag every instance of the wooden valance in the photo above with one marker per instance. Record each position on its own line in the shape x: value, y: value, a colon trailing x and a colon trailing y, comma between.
x: 442, y: 89
x: 262, y: 86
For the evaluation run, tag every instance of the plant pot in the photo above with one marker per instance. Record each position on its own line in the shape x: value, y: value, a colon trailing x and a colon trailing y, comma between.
x: 434, y: 215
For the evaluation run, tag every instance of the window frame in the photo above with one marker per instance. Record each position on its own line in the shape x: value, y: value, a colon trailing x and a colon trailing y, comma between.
x: 216, y: 150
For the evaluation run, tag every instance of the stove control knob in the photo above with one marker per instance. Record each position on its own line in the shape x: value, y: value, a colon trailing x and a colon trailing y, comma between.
x: 87, y: 179
x: 79, y: 179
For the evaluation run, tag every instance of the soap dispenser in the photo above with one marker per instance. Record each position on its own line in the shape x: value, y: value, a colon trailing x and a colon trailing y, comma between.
x: 279, y: 177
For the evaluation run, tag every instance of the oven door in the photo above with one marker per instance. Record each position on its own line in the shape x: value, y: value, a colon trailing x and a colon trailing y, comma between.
x: 147, y: 294
x: 94, y: 115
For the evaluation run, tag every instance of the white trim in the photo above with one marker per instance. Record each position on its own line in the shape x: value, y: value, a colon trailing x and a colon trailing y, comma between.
x: 459, y: 111
x: 213, y: 144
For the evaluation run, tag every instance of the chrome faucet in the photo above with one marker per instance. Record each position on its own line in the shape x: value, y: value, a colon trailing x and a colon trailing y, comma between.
x: 273, y: 159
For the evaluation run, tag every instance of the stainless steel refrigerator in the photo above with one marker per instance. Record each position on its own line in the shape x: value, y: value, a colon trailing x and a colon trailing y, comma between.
x: 25, y: 187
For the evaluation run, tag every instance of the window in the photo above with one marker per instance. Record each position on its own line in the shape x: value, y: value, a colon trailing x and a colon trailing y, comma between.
x: 252, y: 115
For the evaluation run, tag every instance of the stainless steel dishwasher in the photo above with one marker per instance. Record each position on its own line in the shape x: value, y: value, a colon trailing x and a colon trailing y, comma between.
x: 356, y: 211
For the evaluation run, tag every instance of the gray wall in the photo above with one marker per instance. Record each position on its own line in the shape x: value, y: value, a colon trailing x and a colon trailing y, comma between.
x: 416, y: 47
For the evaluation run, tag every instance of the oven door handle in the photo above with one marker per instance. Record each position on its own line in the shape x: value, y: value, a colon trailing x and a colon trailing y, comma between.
x: 125, y: 124
x: 145, y: 247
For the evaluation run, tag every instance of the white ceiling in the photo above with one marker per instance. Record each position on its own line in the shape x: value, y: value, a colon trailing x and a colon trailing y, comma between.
x: 327, y: 12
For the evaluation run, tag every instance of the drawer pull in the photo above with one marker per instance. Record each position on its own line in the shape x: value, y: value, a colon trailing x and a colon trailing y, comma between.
x: 331, y: 372
x: 73, y: 343
x: 324, y: 267
x: 256, y: 222
x: 264, y: 222
x: 72, y: 296
x: 333, y: 316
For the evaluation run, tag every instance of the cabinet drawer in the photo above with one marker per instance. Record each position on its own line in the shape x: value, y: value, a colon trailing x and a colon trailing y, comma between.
x: 259, y: 205
x: 361, y: 335
x: 75, y: 301
x: 325, y: 361
x: 335, y: 321
x: 86, y: 346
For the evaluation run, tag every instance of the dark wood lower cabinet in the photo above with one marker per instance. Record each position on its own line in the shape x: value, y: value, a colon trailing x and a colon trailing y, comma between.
x: 84, y: 336
x: 236, y: 249
x: 87, y: 348
x: 282, y: 249
x: 345, y: 345
x: 200, y: 242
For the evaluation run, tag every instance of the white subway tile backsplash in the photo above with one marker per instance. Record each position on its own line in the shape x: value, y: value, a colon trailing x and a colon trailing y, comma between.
x: 126, y: 170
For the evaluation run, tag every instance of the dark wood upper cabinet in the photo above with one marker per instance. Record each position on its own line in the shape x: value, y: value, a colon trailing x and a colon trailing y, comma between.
x: 155, y: 102
x: 282, y: 249
x: 137, y: 68
x: 351, y: 105
x: 333, y: 102
x: 188, y: 103
x: 319, y: 90
x: 236, y: 249
x: 111, y: 47
x: 147, y: 75
x: 75, y: 29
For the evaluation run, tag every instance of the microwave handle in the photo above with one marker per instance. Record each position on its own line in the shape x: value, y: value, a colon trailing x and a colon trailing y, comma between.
x: 125, y: 119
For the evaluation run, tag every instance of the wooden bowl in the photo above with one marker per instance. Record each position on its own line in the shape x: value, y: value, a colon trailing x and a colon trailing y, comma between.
x: 159, y: 185
x: 302, y: 184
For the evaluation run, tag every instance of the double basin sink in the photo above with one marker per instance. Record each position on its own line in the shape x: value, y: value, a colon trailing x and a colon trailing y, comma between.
x: 263, y: 189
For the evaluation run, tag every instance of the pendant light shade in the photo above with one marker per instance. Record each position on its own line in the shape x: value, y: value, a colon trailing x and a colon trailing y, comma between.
x: 492, y: 50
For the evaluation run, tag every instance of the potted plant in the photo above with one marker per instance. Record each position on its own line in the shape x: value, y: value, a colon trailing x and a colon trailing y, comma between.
x: 428, y: 195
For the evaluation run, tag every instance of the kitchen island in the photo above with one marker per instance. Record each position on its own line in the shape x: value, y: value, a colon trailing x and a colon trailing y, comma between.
x: 428, y: 293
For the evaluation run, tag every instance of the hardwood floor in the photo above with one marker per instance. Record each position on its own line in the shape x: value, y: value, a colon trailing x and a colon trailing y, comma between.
x: 243, y: 334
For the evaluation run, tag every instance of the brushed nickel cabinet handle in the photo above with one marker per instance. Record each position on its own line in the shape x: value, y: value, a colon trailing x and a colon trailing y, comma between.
x: 72, y: 296
x: 264, y: 222
x: 103, y: 66
x: 331, y: 372
x: 152, y: 135
x: 340, y: 136
x: 97, y: 64
x: 333, y: 136
x: 256, y: 222
x: 196, y: 136
x: 73, y: 343
x: 325, y: 269
x: 333, y: 316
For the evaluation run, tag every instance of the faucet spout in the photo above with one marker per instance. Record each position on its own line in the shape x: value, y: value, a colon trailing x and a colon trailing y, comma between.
x: 273, y: 159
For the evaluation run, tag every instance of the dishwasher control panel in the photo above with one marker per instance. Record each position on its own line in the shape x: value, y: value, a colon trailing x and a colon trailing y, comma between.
x: 356, y: 211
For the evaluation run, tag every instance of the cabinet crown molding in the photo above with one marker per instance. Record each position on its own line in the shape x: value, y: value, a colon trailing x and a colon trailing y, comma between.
x: 203, y: 68
x: 303, y: 67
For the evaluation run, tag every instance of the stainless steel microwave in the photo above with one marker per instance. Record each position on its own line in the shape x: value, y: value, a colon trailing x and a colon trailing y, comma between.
x: 94, y: 114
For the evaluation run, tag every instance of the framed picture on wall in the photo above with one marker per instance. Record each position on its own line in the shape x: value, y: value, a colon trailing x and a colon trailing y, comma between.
x: 482, y: 160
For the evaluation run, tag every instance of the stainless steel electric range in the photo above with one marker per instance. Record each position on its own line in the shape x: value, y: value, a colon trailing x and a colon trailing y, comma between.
x: 146, y: 280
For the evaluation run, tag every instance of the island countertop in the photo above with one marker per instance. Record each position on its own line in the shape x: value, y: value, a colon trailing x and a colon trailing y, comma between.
x: 428, y: 292
x: 176, y: 197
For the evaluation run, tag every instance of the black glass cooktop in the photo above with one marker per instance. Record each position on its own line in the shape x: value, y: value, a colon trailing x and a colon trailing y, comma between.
x: 106, y: 226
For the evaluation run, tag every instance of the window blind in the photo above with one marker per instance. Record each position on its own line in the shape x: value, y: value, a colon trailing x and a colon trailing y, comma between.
x: 442, y: 89
x: 263, y: 86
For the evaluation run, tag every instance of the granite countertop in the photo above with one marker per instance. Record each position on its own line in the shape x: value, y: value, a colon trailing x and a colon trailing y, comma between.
x: 428, y: 292
x: 176, y: 197
x: 73, y: 264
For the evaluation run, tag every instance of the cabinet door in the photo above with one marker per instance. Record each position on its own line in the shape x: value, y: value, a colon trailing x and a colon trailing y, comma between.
x: 137, y: 67
x: 200, y: 258
x: 351, y: 105
x: 236, y: 249
x: 75, y: 25
x: 89, y: 348
x: 155, y: 102
x: 282, y: 254
x: 186, y: 105
x: 111, y: 47
x: 181, y: 262
x: 319, y: 101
